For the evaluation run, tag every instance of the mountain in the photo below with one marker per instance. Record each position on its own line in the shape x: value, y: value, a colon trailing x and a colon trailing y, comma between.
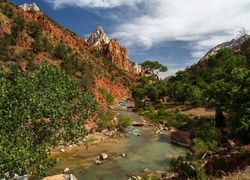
x: 234, y: 44
x: 110, y: 48
x: 30, y: 39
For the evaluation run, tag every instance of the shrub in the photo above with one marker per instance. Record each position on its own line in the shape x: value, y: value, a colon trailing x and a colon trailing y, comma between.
x: 124, y: 120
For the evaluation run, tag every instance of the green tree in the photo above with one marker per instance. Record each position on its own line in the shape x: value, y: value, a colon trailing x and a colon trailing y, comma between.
x: 35, y: 29
x: 37, y: 111
x: 154, y: 66
x: 60, y: 51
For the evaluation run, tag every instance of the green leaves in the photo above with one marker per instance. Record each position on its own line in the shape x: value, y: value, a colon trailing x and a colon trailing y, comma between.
x: 37, y: 110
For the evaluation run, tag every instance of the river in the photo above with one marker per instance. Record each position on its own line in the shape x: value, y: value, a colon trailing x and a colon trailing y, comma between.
x: 141, y: 147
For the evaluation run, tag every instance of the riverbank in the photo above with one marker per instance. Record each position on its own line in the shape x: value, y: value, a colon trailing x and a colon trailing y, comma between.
x: 133, y: 151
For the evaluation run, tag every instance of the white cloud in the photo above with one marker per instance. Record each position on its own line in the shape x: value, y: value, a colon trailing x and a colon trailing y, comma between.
x: 205, y: 23
x: 92, y: 3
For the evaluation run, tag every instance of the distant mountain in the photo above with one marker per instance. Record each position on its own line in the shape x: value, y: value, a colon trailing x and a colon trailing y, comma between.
x: 234, y: 44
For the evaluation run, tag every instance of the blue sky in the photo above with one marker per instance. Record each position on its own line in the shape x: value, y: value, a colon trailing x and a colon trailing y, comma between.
x: 176, y: 33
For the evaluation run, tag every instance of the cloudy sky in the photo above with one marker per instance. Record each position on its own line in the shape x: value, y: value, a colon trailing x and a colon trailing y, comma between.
x: 176, y: 33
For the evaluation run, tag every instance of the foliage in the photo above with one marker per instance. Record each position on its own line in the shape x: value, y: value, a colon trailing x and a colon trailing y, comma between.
x: 108, y: 96
x: 154, y: 66
x: 184, y: 167
x: 37, y: 110
x: 206, y: 137
x: 7, y: 10
x: 124, y: 121
x: 60, y: 51
x: 105, y: 119
x: 34, y: 29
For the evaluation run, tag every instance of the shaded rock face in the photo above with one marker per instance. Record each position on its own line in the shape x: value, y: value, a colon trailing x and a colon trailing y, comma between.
x: 29, y: 7
x: 181, y: 138
x: 110, y: 48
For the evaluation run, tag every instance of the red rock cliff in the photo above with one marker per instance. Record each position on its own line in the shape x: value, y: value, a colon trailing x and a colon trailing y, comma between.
x: 117, y: 55
x: 110, y: 48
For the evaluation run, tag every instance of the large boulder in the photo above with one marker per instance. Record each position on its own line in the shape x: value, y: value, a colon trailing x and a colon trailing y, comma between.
x: 181, y: 138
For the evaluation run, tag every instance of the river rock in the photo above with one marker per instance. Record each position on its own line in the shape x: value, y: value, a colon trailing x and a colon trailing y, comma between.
x: 135, y: 123
x: 136, y: 178
x: 123, y: 155
x: 103, y: 156
x: 62, y: 150
x: 98, y: 162
x: 66, y: 170
x: 181, y: 138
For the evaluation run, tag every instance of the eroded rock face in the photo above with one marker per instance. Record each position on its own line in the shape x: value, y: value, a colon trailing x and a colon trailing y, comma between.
x: 110, y: 48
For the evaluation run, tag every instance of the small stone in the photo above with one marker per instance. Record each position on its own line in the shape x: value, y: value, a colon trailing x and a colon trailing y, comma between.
x: 146, y: 170
x: 123, y: 155
x: 103, y: 156
x: 138, y: 134
x: 66, y: 170
x: 98, y: 162
x: 62, y: 150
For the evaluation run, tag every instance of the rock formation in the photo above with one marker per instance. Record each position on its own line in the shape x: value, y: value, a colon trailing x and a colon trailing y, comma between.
x: 234, y: 43
x: 29, y: 7
x: 136, y: 68
x: 98, y: 38
x: 110, y: 48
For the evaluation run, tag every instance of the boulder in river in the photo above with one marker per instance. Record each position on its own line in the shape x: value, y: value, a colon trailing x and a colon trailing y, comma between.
x: 181, y: 138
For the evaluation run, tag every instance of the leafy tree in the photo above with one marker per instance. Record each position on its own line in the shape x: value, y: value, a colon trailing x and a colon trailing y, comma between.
x: 37, y: 111
x: 154, y: 66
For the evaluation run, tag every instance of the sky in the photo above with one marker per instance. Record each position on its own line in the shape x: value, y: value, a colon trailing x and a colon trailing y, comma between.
x: 176, y: 33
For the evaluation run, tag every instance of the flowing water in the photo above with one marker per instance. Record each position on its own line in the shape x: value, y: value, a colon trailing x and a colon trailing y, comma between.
x: 142, y: 148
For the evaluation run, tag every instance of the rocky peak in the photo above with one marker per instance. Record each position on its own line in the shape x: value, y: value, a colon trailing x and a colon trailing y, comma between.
x: 234, y: 43
x: 98, y: 38
x: 110, y: 48
x: 29, y: 7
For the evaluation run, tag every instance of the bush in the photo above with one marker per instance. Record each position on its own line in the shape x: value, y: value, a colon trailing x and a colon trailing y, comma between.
x: 124, y: 120
x: 208, y: 135
x: 108, y: 96
x: 186, y: 169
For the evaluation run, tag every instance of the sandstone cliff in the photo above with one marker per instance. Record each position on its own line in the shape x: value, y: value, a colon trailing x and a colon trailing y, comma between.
x: 110, y: 48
